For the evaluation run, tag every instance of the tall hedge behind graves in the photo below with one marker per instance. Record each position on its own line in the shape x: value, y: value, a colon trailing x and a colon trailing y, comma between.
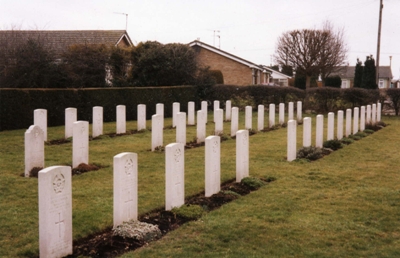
x: 17, y: 105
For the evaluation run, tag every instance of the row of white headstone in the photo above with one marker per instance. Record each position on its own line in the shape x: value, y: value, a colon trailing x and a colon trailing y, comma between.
x: 361, y: 116
x: 55, y: 192
x: 40, y: 116
x: 79, y: 130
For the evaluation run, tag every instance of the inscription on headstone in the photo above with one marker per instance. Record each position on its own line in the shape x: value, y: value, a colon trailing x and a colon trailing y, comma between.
x: 156, y: 132
x: 55, y: 211
x: 125, y: 187
x: 80, y: 143
x: 141, y: 117
x: 271, y: 115
x: 121, y: 119
x: 34, y: 149
x: 242, y: 154
x: 212, y: 165
x: 97, y: 127
x: 70, y: 119
x: 181, y: 128
x: 174, y: 175
x: 40, y: 119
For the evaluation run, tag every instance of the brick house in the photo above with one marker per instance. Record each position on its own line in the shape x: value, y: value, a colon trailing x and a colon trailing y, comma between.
x: 346, y: 73
x: 235, y: 70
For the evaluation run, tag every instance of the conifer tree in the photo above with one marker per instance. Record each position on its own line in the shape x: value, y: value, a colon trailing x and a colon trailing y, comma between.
x: 358, y: 74
x: 369, y: 74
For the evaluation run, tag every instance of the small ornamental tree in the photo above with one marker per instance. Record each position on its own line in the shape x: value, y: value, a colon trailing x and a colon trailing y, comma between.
x: 369, y: 74
x: 358, y: 74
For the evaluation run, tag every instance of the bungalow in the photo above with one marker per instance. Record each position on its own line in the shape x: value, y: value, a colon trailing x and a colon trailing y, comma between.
x: 235, y: 70
x: 60, y: 40
x: 346, y: 73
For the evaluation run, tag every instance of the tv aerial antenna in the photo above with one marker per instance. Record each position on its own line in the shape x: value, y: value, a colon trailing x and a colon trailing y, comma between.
x: 126, y: 15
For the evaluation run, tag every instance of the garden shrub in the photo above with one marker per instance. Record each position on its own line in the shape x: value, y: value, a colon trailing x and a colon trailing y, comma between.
x: 323, y: 100
x: 394, y: 96
x: 333, y: 144
x: 346, y: 140
x: 310, y: 153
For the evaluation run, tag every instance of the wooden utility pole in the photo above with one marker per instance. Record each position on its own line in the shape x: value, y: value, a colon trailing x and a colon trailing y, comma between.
x: 379, y: 42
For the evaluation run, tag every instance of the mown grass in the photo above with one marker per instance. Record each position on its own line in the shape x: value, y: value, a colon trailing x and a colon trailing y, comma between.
x: 346, y: 204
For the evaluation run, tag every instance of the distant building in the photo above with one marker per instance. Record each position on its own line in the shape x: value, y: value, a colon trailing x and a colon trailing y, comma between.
x: 236, y: 70
x: 346, y: 73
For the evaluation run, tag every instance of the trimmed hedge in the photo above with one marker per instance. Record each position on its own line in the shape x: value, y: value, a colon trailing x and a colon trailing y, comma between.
x: 17, y: 105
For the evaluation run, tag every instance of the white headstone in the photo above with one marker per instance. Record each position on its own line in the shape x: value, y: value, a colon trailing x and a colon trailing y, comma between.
x: 219, y: 121
x: 191, y: 110
x: 271, y: 115
x: 248, y: 118
x: 290, y: 110
x: 176, y: 107
x: 373, y: 114
x: 378, y: 112
x: 216, y: 107
x: 260, y: 120
x: 281, y: 113
x: 174, y: 175
x: 331, y: 126
x: 121, y: 119
x: 80, y: 143
x: 97, y: 123
x: 234, y: 121
x: 201, y: 126
x: 40, y: 119
x: 362, y: 118
x: 181, y: 128
x: 299, y: 111
x: 141, y: 117
x: 242, y: 154
x: 228, y: 109
x: 340, y: 125
x: 319, y: 137
x: 368, y: 118
x: 156, y: 132
x: 204, y: 108
x: 348, y: 122
x: 34, y: 149
x: 160, y: 111
x: 55, y: 211
x: 125, y: 187
x: 307, y: 132
x: 213, y: 165
x: 355, y: 120
x: 291, y: 140
x: 70, y: 119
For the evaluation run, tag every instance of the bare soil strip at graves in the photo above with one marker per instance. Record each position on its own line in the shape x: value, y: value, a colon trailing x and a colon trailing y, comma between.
x: 105, y: 244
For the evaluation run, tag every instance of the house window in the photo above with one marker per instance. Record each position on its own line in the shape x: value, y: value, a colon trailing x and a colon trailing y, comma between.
x: 344, y: 84
x: 381, y: 85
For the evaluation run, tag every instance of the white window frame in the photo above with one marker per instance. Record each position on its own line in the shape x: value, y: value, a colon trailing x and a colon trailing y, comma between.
x: 381, y: 84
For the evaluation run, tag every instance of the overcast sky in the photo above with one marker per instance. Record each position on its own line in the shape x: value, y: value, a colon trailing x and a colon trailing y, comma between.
x: 246, y: 28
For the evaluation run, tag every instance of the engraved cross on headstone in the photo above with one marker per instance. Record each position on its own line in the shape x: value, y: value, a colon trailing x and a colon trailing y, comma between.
x: 58, y: 223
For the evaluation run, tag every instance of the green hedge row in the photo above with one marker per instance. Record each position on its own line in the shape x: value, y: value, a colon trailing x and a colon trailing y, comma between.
x: 17, y: 105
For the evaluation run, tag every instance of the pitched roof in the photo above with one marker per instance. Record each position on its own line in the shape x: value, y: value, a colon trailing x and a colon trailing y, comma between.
x: 228, y: 55
x: 349, y: 71
x: 60, y: 40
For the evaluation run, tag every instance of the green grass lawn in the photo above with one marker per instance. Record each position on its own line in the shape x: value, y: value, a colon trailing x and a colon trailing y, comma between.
x: 344, y: 205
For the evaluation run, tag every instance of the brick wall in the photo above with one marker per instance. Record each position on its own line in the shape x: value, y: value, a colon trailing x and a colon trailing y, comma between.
x: 234, y: 73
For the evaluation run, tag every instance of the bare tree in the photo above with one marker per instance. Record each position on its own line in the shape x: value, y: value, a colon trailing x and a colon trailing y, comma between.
x: 312, y: 52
